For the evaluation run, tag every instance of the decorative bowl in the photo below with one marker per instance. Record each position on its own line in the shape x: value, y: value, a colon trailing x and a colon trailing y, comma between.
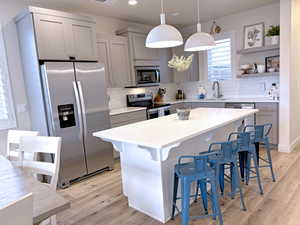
x: 183, y: 114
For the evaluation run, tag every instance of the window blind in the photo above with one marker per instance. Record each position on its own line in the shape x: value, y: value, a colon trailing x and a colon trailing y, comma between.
x: 7, y: 116
x: 219, y: 61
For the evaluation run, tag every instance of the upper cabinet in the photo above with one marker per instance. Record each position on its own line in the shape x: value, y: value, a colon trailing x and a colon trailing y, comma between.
x: 62, y: 36
x: 113, y: 52
x: 192, y: 74
x: 139, y: 55
x: 140, y: 52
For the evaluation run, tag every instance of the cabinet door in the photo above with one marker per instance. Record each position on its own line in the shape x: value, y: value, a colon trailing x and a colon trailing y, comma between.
x: 84, y: 40
x: 51, y: 37
x: 268, y: 113
x: 166, y: 73
x: 192, y: 74
x: 103, y: 57
x: 120, y: 67
x: 140, y: 50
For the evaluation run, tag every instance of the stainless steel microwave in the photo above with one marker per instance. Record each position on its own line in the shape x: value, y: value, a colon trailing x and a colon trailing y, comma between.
x: 147, y: 76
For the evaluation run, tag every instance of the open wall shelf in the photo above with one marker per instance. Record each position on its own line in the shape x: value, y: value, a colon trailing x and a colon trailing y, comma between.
x: 260, y: 49
x: 259, y: 74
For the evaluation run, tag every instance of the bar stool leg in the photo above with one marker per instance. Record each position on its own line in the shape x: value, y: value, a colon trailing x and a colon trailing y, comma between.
x: 248, y: 167
x: 221, y: 174
x: 254, y: 156
x: 267, y: 144
x: 203, y: 188
x: 238, y: 185
x: 175, y: 189
x: 185, y: 201
x: 215, y: 200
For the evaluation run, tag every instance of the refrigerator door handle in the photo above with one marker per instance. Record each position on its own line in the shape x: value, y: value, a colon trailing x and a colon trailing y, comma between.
x: 82, y: 108
x: 78, y: 107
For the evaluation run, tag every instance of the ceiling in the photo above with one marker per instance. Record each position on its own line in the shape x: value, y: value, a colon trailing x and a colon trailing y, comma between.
x: 179, y: 12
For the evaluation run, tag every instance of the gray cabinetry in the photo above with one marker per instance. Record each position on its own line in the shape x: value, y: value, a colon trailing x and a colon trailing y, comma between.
x: 207, y: 105
x: 192, y: 74
x: 61, y: 36
x: 268, y: 113
x: 139, y: 55
x: 113, y: 51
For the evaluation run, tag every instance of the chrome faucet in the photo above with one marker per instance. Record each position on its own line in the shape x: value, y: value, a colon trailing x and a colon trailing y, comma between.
x: 217, y: 91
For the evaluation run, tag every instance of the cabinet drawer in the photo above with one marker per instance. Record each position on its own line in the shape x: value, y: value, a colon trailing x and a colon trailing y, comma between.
x: 208, y: 105
x: 131, y: 117
x: 267, y: 107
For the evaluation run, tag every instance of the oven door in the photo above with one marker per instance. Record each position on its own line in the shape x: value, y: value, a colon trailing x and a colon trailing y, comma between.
x: 147, y: 76
x: 152, y: 114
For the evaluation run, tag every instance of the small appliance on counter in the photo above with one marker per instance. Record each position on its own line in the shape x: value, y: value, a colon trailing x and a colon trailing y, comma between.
x: 180, y: 95
x: 154, y: 110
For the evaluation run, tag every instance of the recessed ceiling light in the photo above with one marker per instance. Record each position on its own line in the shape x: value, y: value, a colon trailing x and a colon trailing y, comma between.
x: 132, y: 2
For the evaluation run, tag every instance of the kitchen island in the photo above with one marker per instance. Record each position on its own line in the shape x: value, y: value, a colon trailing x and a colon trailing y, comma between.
x: 150, y: 149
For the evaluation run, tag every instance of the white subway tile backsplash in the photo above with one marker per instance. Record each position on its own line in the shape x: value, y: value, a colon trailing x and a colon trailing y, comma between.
x: 245, y: 87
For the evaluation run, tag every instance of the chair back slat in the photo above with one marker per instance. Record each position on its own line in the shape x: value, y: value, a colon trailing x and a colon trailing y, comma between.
x: 13, y: 141
x: 40, y: 144
x: 19, y: 212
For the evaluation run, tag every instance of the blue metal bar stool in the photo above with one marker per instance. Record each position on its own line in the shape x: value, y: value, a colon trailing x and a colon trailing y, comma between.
x: 196, y: 170
x: 245, y: 145
x: 260, y: 136
x: 227, y: 158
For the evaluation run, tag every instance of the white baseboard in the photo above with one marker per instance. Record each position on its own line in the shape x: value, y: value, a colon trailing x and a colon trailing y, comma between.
x: 291, y: 147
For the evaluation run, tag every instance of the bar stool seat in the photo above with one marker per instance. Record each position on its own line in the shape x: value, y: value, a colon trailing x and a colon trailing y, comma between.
x: 187, y: 173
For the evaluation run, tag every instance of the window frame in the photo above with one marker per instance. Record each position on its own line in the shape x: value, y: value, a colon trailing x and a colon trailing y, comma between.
x: 224, y: 35
x: 11, y: 122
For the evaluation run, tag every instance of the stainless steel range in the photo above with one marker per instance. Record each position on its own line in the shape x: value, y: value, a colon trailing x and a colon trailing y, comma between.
x: 154, y: 110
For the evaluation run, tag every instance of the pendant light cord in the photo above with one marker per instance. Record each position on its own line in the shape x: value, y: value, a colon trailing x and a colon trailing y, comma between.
x: 198, y: 6
x: 162, y: 6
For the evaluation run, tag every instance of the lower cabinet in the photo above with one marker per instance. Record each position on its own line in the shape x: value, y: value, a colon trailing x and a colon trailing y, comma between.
x: 207, y: 105
x: 268, y: 113
x: 125, y: 119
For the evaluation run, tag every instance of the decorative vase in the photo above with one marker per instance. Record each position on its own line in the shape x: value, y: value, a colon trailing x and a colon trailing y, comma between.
x: 274, y: 40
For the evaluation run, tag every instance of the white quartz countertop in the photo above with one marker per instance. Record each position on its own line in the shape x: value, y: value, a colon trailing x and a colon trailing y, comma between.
x: 241, y: 100
x: 118, y: 111
x: 167, y: 131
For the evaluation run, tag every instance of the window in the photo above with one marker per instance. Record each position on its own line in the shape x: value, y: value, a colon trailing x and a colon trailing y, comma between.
x: 219, y: 60
x: 7, y: 116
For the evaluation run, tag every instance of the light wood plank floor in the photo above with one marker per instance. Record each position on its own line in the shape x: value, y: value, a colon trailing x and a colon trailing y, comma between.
x: 99, y: 200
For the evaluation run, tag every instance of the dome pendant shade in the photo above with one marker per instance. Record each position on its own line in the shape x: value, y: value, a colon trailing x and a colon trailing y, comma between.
x: 163, y: 36
x: 199, y: 41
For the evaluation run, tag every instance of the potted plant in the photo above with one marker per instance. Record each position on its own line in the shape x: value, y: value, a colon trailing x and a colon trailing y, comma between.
x: 273, y: 35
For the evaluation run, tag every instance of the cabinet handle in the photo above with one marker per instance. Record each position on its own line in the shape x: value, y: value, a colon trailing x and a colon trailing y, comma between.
x: 72, y: 57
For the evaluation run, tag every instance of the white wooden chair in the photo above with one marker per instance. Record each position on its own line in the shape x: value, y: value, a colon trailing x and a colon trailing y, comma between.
x: 13, y: 141
x: 38, y: 144
x: 19, y: 212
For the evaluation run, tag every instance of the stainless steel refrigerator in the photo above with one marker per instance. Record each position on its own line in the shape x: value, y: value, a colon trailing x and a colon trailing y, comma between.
x: 76, y: 105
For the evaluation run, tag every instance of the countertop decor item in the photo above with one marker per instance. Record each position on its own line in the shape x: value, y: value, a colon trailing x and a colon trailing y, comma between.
x: 272, y: 35
x: 160, y: 95
x: 180, y: 95
x: 254, y: 35
x: 199, y: 41
x: 272, y: 63
x: 183, y: 114
x: 201, y: 92
x: 181, y: 63
x: 164, y: 35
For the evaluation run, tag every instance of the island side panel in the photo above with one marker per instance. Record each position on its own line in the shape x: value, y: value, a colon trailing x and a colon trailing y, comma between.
x: 148, y: 184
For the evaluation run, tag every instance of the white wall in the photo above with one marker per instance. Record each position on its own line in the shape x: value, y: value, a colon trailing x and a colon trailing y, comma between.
x: 289, y: 129
x: 235, y: 24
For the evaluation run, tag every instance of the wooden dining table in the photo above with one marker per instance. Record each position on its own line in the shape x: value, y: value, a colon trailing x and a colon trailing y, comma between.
x: 15, y: 184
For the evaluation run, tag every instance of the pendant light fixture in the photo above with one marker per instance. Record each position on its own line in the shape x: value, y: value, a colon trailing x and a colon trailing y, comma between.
x: 164, y: 35
x: 199, y: 41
